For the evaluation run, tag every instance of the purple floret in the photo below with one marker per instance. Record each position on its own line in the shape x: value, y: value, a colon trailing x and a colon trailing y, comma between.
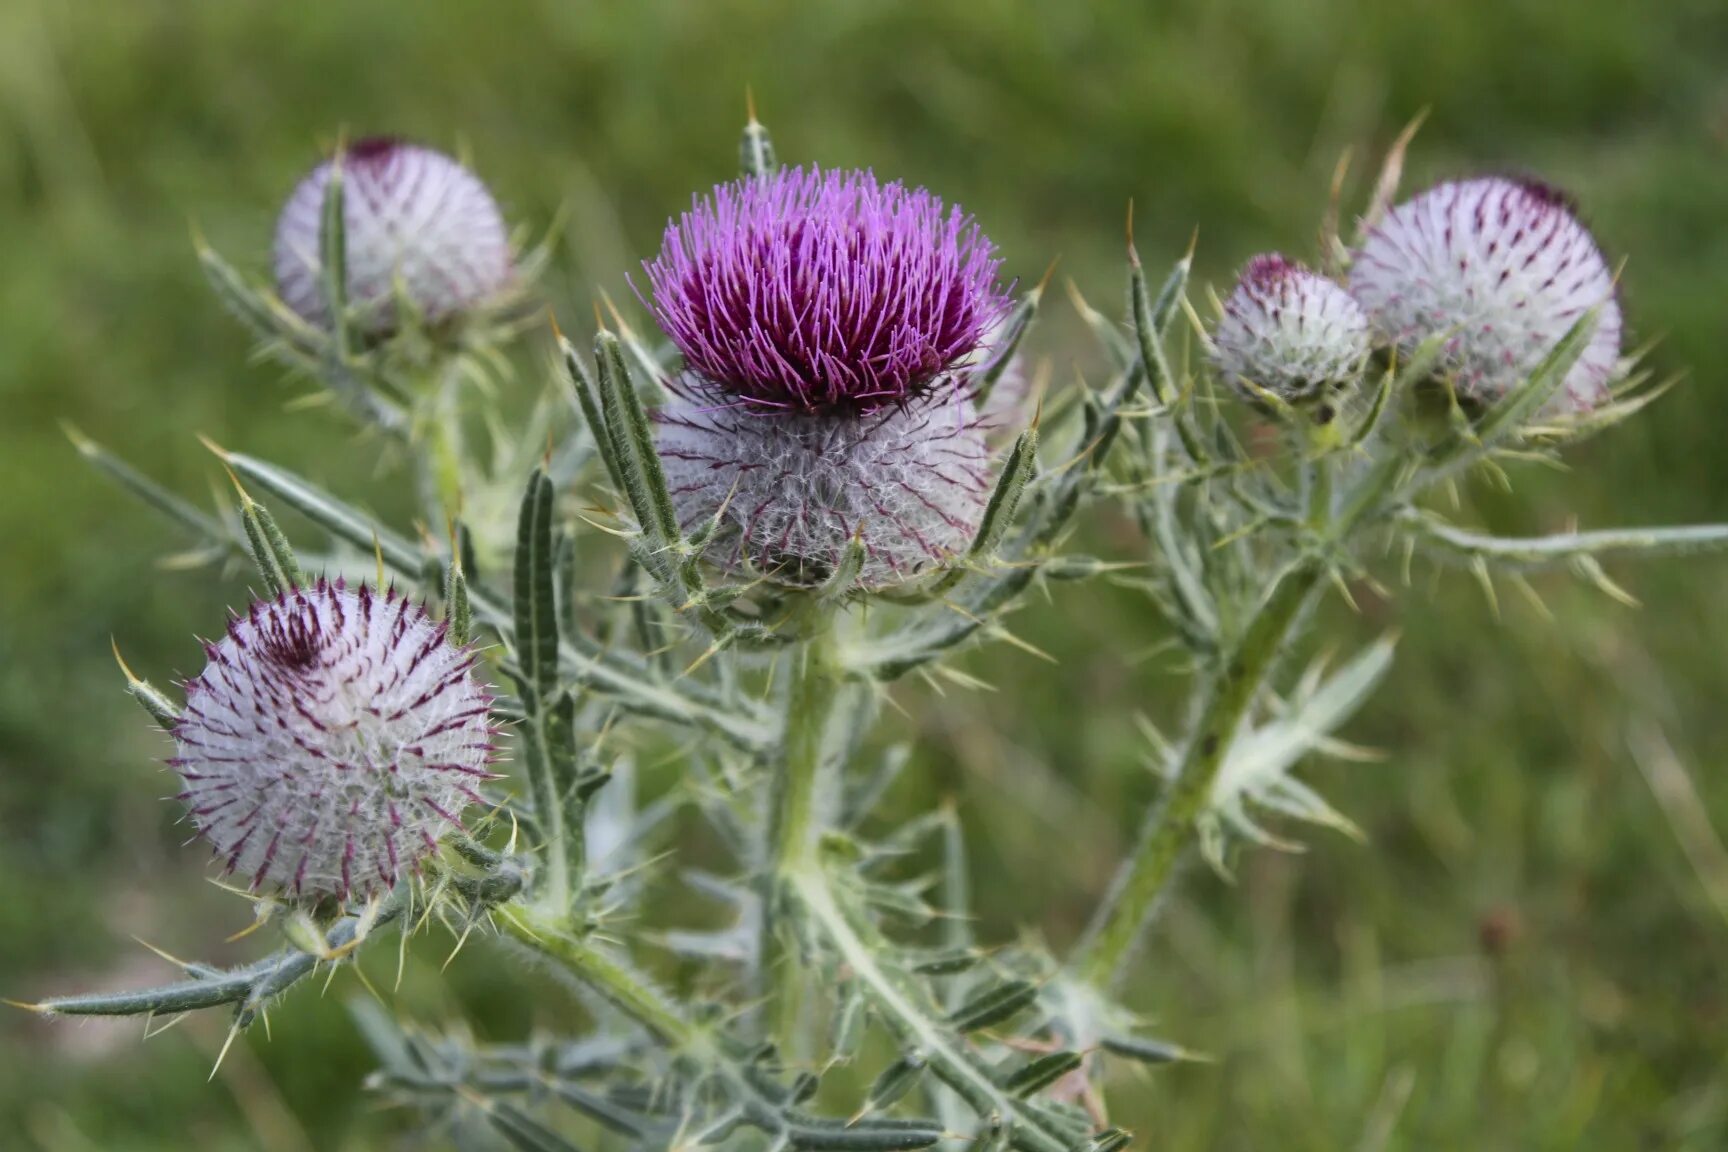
x: 809, y: 290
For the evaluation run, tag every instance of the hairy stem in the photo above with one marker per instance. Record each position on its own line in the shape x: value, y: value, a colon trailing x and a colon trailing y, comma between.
x: 443, y: 457
x: 794, y: 815
x: 794, y: 825
x: 551, y: 935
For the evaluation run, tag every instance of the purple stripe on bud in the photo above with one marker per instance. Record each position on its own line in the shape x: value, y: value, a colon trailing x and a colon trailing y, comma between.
x: 329, y: 719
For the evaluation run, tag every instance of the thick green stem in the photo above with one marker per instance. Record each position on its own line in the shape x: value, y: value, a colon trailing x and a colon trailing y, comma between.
x: 1114, y: 932
x: 1320, y: 492
x: 1111, y: 939
x: 795, y: 815
x: 550, y: 935
x: 441, y: 457
x: 795, y: 802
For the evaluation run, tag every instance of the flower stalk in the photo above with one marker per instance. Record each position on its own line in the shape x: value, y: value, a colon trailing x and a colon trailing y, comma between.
x: 1170, y: 826
x: 803, y: 770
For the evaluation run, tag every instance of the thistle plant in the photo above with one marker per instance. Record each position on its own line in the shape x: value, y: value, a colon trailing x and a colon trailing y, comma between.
x: 736, y: 542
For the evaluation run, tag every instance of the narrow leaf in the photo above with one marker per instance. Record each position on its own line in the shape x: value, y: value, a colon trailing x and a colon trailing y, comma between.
x: 271, y: 552
x: 994, y: 1005
x: 1041, y: 1072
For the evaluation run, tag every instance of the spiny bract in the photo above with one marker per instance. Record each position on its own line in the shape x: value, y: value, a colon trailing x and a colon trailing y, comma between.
x: 410, y: 215
x: 909, y: 481
x: 333, y: 736
x: 1289, y: 331
x: 1506, y: 268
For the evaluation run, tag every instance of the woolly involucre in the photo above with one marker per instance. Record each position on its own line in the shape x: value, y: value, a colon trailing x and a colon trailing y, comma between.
x: 1289, y: 331
x: 411, y: 215
x: 1507, y: 267
x: 909, y: 481
x: 333, y: 736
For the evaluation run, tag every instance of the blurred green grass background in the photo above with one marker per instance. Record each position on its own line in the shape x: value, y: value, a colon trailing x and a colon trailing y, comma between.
x: 1347, y: 994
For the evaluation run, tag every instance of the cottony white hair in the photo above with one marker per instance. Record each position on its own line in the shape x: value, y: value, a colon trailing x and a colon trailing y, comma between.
x: 333, y: 736
x: 1289, y: 331
x: 1505, y: 266
x: 909, y: 480
x: 411, y: 216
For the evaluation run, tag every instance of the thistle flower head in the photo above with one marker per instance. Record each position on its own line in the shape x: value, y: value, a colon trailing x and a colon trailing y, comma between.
x: 807, y: 290
x: 332, y: 737
x: 1504, y: 266
x: 792, y: 489
x: 411, y: 216
x: 1289, y: 331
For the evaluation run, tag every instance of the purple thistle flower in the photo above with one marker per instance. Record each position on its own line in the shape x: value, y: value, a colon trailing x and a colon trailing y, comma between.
x: 1506, y: 266
x: 830, y: 326
x: 409, y: 214
x: 1290, y: 331
x: 332, y: 738
x: 811, y: 290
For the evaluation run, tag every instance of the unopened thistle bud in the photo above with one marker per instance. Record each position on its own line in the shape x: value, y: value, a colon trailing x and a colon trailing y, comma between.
x: 829, y: 326
x: 411, y: 217
x: 1507, y: 269
x: 1291, y: 333
x: 330, y: 741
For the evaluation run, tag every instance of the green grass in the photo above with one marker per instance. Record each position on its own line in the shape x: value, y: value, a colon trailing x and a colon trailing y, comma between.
x: 1340, y: 990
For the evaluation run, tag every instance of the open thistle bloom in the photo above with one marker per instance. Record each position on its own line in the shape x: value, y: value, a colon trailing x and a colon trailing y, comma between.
x: 1290, y: 332
x: 411, y: 217
x: 330, y: 740
x: 1507, y: 268
x: 829, y: 326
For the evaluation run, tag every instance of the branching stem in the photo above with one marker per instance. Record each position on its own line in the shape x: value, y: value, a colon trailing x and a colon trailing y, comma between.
x: 907, y: 1012
x: 1230, y: 693
x: 550, y: 935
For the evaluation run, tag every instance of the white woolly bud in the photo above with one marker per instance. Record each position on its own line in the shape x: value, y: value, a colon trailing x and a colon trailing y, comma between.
x: 1507, y: 268
x: 1289, y: 331
x: 411, y: 216
x: 330, y: 740
x: 909, y: 480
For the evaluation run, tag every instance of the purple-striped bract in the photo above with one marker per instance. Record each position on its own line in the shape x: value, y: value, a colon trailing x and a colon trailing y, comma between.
x: 1506, y: 269
x: 411, y: 216
x: 1289, y: 331
x: 333, y: 737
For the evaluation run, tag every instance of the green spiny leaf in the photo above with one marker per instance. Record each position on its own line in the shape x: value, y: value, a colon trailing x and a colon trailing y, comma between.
x: 896, y: 1081
x: 1017, y: 471
x: 640, y: 464
x: 458, y: 611
x: 947, y: 962
x: 587, y: 401
x: 1151, y: 320
x: 1014, y: 330
x: 1040, y: 1072
x: 271, y: 552
x: 333, y: 253
x: 523, y: 1131
x: 1144, y: 1049
x: 994, y: 1005
x: 548, y: 724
